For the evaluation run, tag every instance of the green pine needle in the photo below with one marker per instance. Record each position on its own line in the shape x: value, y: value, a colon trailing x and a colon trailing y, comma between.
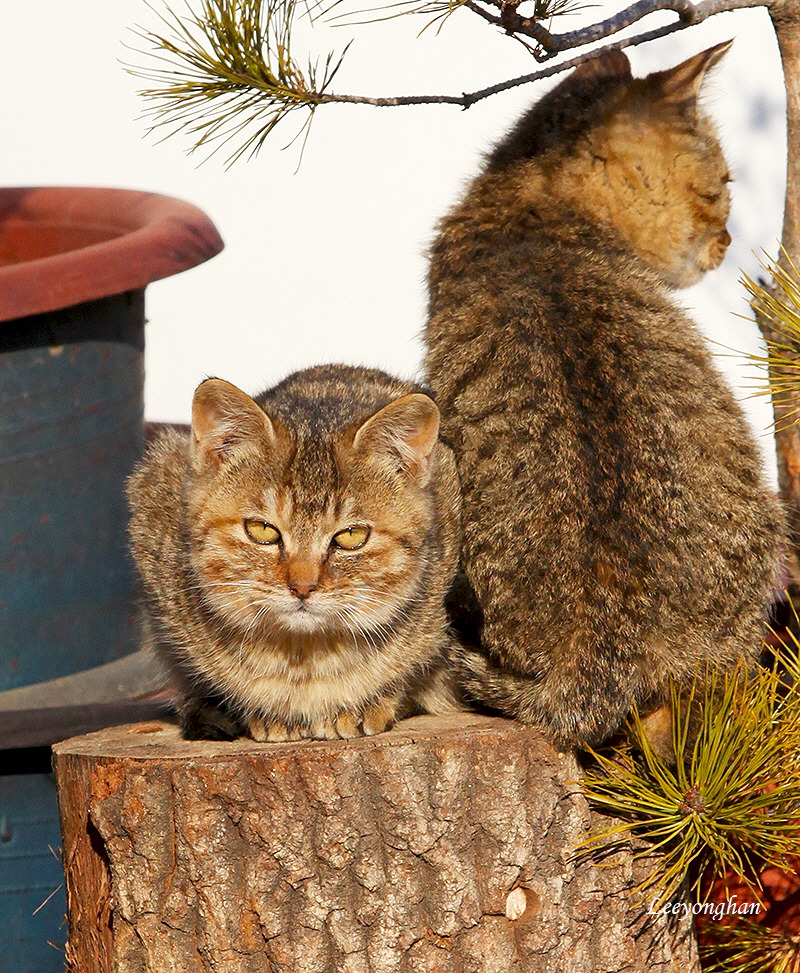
x: 731, y: 804
x: 227, y: 73
x: 747, y: 947
x: 779, y: 304
x: 230, y: 74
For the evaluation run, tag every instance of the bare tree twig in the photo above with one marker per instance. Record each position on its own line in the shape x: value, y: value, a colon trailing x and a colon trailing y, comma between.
x: 475, y: 8
x: 551, y: 44
x: 467, y: 99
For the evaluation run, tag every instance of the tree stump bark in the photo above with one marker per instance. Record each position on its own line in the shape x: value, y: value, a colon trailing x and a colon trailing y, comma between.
x: 442, y: 846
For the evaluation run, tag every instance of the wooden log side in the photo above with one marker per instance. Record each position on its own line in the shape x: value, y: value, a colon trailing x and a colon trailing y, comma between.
x: 442, y: 846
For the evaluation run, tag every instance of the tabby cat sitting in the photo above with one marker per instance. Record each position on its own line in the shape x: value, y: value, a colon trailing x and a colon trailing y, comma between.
x: 618, y: 531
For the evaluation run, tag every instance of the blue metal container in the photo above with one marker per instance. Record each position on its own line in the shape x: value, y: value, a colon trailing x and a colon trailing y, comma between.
x: 74, y: 264
x: 32, y: 902
x: 71, y: 428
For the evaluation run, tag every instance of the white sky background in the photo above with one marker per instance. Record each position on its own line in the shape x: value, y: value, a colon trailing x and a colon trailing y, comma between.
x: 327, y: 263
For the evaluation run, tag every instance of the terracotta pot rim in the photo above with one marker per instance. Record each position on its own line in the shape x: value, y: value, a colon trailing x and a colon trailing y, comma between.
x: 120, y: 240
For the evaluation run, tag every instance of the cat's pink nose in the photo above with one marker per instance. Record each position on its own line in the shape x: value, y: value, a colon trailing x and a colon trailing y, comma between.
x: 302, y: 589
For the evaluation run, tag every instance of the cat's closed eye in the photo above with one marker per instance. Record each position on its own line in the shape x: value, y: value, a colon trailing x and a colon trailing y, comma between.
x: 261, y: 532
x: 351, y: 538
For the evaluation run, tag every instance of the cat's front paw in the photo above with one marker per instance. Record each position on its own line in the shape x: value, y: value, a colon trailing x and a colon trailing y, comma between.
x: 271, y: 731
x: 343, y: 726
x: 379, y: 717
x: 346, y: 725
x: 274, y: 731
x: 374, y: 719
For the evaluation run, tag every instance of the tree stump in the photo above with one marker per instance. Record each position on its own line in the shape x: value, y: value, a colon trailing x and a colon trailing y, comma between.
x: 442, y: 846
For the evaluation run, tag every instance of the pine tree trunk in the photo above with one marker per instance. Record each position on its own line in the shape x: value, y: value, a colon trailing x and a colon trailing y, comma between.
x: 785, y: 16
x: 442, y: 846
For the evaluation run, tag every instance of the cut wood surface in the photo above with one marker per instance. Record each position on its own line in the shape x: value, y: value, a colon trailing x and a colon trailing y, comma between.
x: 442, y: 846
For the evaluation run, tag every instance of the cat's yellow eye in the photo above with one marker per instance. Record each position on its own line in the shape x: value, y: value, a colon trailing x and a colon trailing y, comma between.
x: 261, y: 532
x: 351, y: 538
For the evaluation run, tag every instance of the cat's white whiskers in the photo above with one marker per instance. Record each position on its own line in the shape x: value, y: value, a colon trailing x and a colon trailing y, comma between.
x: 244, y: 613
x: 223, y: 593
x: 263, y: 610
x: 204, y: 585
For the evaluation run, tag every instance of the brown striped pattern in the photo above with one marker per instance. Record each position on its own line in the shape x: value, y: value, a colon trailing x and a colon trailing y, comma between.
x: 366, y: 642
x: 617, y: 527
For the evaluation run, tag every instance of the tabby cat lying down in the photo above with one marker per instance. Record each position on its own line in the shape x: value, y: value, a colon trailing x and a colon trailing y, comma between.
x: 295, y: 552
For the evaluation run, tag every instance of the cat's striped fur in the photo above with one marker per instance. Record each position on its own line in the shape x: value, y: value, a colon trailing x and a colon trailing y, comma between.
x: 617, y: 527
x: 300, y: 637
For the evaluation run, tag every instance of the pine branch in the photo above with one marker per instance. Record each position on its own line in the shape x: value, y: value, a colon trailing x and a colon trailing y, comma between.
x: 747, y: 947
x: 228, y: 73
x: 229, y: 68
x: 730, y: 803
x: 441, y: 9
x: 777, y: 309
x: 550, y: 44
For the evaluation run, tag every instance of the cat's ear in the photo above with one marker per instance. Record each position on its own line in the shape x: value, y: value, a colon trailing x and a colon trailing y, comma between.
x: 405, y: 430
x: 680, y: 86
x: 223, y: 418
x: 609, y: 64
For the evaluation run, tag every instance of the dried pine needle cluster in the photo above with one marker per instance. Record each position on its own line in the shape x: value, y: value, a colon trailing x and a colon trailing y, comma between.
x: 731, y: 803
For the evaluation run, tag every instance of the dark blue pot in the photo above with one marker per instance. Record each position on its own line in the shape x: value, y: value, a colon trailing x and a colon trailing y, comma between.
x: 74, y: 264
